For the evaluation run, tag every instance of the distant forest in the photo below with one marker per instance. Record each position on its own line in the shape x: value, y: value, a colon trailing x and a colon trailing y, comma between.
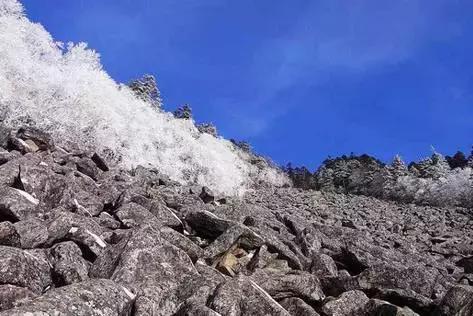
x: 437, y: 180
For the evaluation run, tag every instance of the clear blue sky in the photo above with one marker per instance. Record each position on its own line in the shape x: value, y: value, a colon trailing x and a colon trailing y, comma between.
x: 299, y: 79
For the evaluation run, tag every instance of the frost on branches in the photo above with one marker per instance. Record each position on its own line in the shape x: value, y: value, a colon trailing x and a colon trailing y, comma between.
x: 64, y: 90
x: 431, y: 181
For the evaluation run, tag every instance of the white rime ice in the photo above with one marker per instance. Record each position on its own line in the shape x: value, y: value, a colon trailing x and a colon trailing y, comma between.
x: 64, y: 90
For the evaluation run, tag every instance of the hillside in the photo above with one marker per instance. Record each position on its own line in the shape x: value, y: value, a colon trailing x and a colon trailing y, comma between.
x: 79, y: 237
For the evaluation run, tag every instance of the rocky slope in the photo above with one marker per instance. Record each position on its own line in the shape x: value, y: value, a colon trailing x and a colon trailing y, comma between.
x: 79, y: 236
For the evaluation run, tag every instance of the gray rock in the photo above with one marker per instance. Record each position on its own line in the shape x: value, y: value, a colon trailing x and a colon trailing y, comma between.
x: 32, y: 231
x: 107, y: 220
x: 93, y: 297
x: 88, y: 167
x: 207, y: 195
x: 134, y: 215
x: 24, y: 269
x: 8, y: 235
x: 244, y: 297
x: 237, y: 236
x: 17, y: 205
x: 193, y: 251
x: 107, y: 261
x: 282, y: 285
x: 457, y: 302
x: 379, y: 307
x: 297, y: 307
x: 41, y: 139
x: 68, y: 265
x: 347, y: 304
x: 153, y: 269
x: 467, y: 264
x: 82, y: 230
x: 207, y: 224
x: 12, y: 296
x: 323, y: 265
x: 100, y: 162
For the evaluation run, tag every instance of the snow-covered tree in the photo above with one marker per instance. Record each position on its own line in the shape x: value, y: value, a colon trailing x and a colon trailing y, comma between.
x: 146, y: 89
x: 63, y: 90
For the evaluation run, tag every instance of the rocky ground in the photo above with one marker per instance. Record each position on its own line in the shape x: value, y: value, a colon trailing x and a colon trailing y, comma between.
x: 81, y: 237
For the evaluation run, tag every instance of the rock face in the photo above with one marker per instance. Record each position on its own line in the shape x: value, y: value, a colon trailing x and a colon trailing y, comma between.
x: 79, y: 236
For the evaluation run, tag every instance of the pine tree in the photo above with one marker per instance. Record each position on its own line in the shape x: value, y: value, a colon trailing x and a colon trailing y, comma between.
x: 183, y: 112
x: 146, y: 89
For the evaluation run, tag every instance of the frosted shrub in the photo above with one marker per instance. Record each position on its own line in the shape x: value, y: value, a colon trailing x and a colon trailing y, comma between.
x: 65, y: 91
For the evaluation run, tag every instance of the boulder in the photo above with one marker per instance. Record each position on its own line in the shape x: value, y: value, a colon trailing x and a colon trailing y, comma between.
x: 88, y: 167
x: 94, y: 297
x: 379, y: 307
x: 347, y: 304
x: 285, y: 284
x: 8, y: 235
x: 100, y: 162
x: 68, y: 266
x: 153, y: 269
x: 207, y: 224
x: 193, y: 251
x: 241, y: 296
x: 24, y: 269
x: 32, y: 231
x: 207, y: 195
x: 84, y: 231
x: 134, y: 215
x: 40, y: 139
x: 16, y: 205
x: 12, y: 296
x: 296, y: 306
x: 457, y: 302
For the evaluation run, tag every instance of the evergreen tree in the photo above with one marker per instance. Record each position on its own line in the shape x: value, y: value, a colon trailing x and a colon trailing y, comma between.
x: 183, y: 112
x: 146, y: 89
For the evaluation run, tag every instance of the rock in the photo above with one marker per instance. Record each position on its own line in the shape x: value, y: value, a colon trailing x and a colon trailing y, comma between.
x: 349, y: 303
x: 40, y: 139
x: 134, y: 215
x: 68, y: 265
x: 88, y: 167
x: 466, y: 263
x: 457, y: 302
x: 323, y: 266
x: 280, y: 284
x: 32, y: 231
x: 207, y: 195
x: 12, y: 296
x: 417, y: 279
x: 379, y: 307
x: 207, y: 224
x: 153, y: 269
x: 82, y: 230
x: 107, y: 220
x: 24, y: 269
x: 237, y: 236
x: 100, y: 162
x: 165, y: 215
x: 93, y: 297
x: 244, y: 297
x: 17, y: 205
x: 106, y: 263
x: 193, y: 251
x: 296, y: 306
x: 8, y: 235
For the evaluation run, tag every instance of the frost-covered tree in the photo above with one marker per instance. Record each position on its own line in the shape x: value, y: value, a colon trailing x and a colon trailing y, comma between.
x: 183, y: 112
x: 63, y: 90
x: 208, y: 128
x: 147, y: 90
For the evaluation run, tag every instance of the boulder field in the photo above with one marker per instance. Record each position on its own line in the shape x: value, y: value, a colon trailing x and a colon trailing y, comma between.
x: 80, y: 236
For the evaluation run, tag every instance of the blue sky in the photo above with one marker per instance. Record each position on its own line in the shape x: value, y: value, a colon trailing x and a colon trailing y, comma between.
x: 301, y: 79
